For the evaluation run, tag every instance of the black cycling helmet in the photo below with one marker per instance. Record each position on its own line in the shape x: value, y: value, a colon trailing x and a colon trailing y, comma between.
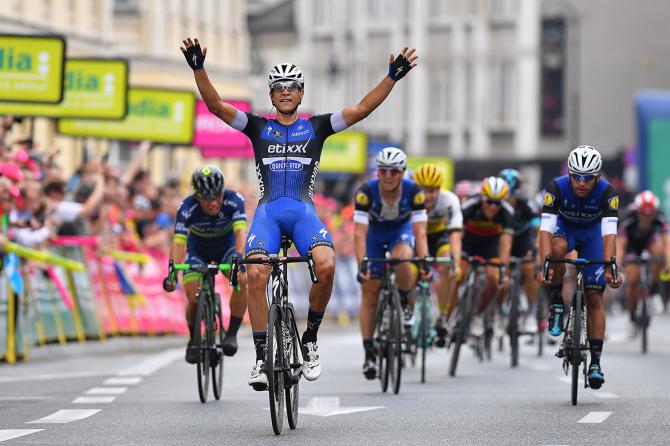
x: 207, y: 182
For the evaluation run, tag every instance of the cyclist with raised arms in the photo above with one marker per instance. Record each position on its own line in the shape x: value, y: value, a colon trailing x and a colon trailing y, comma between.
x: 211, y: 226
x: 644, y: 228
x: 388, y: 211
x: 287, y: 151
x: 488, y: 231
x: 445, y: 234
x: 581, y: 212
x: 524, y: 245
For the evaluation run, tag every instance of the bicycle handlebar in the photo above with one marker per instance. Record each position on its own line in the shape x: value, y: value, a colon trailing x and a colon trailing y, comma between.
x: 577, y: 262
x: 203, y: 268
x: 272, y: 260
x: 422, y: 262
x: 646, y: 259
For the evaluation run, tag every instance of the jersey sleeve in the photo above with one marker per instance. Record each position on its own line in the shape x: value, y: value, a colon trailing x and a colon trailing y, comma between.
x: 455, y: 214
x: 625, y: 225
x: 182, y: 223
x: 253, y: 126
x: 508, y: 218
x: 322, y: 125
x: 362, y: 201
x: 418, y: 198
x: 551, y: 199
x: 610, y: 203
x: 662, y: 224
x: 239, y: 218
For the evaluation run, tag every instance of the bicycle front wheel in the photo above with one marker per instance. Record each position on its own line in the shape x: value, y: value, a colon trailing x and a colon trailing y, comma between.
x: 294, y: 358
x: 461, y: 331
x: 200, y: 338
x: 274, y: 361
x: 576, y: 350
x: 394, y: 348
x: 513, y: 326
x: 424, y: 331
x: 217, y: 348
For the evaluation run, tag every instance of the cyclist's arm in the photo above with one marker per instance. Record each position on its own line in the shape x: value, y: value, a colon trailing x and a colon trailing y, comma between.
x: 608, y: 224
x: 226, y: 112
x: 178, y: 250
x: 362, y: 200
x: 369, y: 103
x: 548, y: 220
x: 505, y: 247
x: 621, y: 243
x: 419, y: 220
x: 360, y: 235
x: 456, y: 243
x: 419, y: 229
x: 240, y: 229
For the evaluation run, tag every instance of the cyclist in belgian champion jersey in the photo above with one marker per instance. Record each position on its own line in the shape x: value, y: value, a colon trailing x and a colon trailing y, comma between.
x: 287, y: 151
x: 524, y: 245
x: 645, y: 228
x: 388, y: 211
x: 445, y: 234
x: 210, y: 227
x: 581, y: 212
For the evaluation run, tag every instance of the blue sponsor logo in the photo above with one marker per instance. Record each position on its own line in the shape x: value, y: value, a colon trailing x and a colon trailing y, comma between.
x: 288, y: 165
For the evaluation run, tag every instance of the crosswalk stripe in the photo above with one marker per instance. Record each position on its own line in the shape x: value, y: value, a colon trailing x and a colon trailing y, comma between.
x: 66, y: 416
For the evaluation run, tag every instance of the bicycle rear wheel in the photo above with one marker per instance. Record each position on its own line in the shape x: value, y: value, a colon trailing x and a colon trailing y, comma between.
x: 217, y: 348
x: 200, y: 335
x: 513, y: 327
x: 576, y: 350
x: 643, y: 318
x: 394, y: 347
x: 424, y: 329
x: 462, y: 330
x: 275, y: 368
x: 292, y: 377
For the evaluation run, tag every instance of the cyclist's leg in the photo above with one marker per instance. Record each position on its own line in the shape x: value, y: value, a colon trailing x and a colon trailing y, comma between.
x: 191, y: 281
x: 632, y: 273
x: 369, y: 296
x: 263, y: 239
x: 655, y: 248
x: 453, y: 296
x: 238, y: 303
x: 562, y: 242
x: 402, y: 247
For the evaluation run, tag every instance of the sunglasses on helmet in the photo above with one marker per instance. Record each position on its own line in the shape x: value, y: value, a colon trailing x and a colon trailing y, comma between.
x: 291, y: 86
x: 584, y: 178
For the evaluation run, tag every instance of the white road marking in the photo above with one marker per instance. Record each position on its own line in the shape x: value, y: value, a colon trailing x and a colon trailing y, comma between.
x: 106, y: 390
x: 540, y: 367
x: 153, y: 363
x: 595, y: 417
x: 93, y: 399
x: 8, y: 434
x: 329, y: 406
x: 568, y: 380
x: 66, y: 416
x: 604, y: 395
x: 44, y: 377
x: 122, y: 381
x: 617, y: 338
x: 24, y: 398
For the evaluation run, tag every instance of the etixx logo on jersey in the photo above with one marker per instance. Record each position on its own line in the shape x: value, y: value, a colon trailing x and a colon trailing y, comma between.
x: 420, y: 198
x: 549, y: 199
x: 286, y: 165
x: 362, y: 198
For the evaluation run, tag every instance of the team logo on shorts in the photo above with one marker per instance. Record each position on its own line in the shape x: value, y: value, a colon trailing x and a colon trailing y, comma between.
x: 614, y: 203
x: 420, y: 198
x: 362, y: 198
x: 549, y: 199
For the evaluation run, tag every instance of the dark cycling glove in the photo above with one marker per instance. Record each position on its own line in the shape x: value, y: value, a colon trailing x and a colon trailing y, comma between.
x: 194, y: 56
x: 399, y: 68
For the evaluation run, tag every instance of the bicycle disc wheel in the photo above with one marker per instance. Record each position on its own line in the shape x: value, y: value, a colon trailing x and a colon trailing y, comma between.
x: 200, y: 342
x: 217, y: 350
x: 576, y: 351
x: 461, y: 333
x: 424, y: 324
x: 513, y: 327
x: 275, y: 369
x: 394, y: 348
x: 294, y: 359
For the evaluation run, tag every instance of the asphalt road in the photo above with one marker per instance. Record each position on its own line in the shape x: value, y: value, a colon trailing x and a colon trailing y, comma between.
x: 108, y: 396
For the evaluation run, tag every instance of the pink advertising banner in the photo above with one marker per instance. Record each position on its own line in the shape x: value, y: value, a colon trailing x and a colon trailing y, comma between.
x: 216, y: 139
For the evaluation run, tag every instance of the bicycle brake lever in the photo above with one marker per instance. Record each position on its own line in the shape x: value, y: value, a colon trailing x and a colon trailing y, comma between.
x: 545, y: 268
x: 312, y: 268
x: 615, y: 270
x: 233, y: 271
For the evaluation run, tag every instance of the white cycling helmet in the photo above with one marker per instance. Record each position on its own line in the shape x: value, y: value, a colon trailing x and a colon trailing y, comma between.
x: 391, y: 157
x: 286, y: 72
x: 584, y: 160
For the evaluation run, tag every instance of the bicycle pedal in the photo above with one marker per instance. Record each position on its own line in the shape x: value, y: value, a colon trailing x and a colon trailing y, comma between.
x: 560, y: 354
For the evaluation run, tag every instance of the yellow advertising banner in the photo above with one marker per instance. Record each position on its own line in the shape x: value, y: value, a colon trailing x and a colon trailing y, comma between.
x: 158, y: 115
x: 445, y: 164
x: 94, y: 88
x: 32, y: 68
x: 345, y: 152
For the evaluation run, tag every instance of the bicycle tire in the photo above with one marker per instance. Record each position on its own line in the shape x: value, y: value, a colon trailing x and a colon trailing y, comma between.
x: 394, y: 347
x: 464, y: 309
x: 274, y: 362
x: 540, y: 316
x: 576, y: 345
x: 513, y: 327
x: 424, y: 323
x: 218, y: 333
x: 200, y: 342
x: 383, y: 315
x: 292, y: 387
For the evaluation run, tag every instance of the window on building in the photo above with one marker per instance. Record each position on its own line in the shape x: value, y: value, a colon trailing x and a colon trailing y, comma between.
x: 504, y: 8
x: 440, y: 100
x: 444, y: 9
x: 469, y: 92
x: 380, y: 10
x: 321, y: 11
x: 503, y: 90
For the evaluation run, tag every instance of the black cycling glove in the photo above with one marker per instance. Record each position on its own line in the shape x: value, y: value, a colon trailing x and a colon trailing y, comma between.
x: 399, y: 68
x: 194, y: 56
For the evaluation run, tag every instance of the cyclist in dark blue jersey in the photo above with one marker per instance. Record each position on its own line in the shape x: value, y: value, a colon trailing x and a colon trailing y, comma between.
x: 581, y: 212
x: 210, y: 227
x: 287, y: 152
x: 389, y: 211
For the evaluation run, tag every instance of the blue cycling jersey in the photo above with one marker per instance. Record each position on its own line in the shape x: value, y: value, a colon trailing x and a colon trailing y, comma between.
x: 371, y: 209
x: 559, y: 199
